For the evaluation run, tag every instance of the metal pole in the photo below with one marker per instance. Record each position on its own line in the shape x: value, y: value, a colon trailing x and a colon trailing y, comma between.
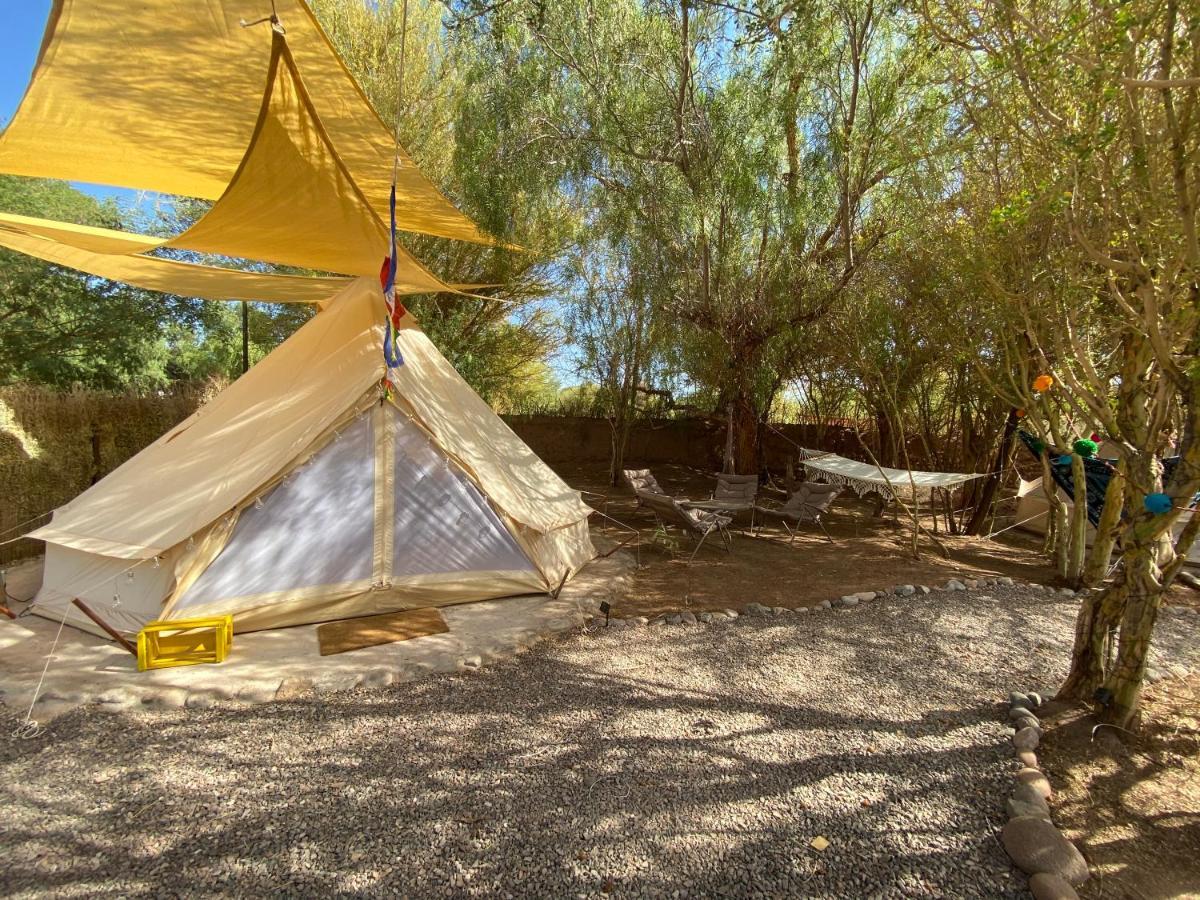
x: 245, y: 337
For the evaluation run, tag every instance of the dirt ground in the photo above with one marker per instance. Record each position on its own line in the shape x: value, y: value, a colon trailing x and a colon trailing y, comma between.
x: 867, y: 553
x: 1131, y: 803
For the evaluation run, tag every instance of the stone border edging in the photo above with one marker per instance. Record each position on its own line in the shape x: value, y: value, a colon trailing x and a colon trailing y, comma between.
x: 1030, y: 837
x: 846, y: 601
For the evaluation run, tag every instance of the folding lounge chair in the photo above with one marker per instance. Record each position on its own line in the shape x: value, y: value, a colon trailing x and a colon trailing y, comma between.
x: 698, y: 524
x: 806, y: 505
x: 641, y: 480
x: 733, y: 494
x: 737, y: 490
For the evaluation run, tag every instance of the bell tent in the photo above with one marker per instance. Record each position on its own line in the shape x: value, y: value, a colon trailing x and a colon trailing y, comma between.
x: 352, y: 471
x: 303, y: 493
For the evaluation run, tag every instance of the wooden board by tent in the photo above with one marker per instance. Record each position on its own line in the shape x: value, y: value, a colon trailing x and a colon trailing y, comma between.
x: 371, y: 631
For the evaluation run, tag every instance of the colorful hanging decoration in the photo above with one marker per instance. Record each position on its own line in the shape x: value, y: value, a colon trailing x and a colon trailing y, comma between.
x: 1020, y: 413
x: 1065, y: 459
x: 395, y: 309
x: 1085, y: 448
x: 1043, y: 383
x: 1157, y: 504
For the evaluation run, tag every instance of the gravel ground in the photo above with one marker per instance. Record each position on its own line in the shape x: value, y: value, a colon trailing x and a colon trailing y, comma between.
x: 671, y: 761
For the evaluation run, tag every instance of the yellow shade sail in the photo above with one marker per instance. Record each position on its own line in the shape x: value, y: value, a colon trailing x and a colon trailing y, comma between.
x: 166, y: 95
x: 291, y: 166
x: 172, y: 277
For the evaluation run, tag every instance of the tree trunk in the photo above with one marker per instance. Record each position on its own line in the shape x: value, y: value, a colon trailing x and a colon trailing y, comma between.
x: 1077, y: 552
x: 1098, y: 615
x: 1055, y: 528
x: 883, y: 431
x: 1137, y: 625
x: 1096, y: 569
x: 986, y: 497
x: 745, y: 436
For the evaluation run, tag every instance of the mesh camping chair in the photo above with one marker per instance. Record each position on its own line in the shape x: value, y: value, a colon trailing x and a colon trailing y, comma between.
x: 806, y: 505
x: 697, y: 524
x: 642, y: 481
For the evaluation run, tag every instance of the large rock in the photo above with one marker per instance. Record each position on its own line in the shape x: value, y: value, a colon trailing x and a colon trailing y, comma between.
x: 687, y: 617
x: 1027, y: 801
x: 1026, y: 739
x: 1017, y: 698
x: 757, y: 609
x: 905, y: 590
x: 1019, y: 712
x: 847, y: 601
x: 1027, y: 758
x: 825, y: 604
x: 1045, y: 886
x: 955, y: 585
x: 1036, y: 780
x: 1036, y: 846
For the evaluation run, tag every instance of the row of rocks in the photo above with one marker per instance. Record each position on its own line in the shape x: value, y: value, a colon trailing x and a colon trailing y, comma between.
x: 846, y: 601
x: 1030, y: 838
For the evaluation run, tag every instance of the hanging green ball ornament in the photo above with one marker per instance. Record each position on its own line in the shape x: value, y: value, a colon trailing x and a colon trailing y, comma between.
x: 1158, y: 504
x: 1085, y: 448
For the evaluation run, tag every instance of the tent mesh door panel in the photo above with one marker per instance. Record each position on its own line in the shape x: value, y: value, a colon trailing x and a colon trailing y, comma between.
x: 442, y: 523
x: 314, y: 528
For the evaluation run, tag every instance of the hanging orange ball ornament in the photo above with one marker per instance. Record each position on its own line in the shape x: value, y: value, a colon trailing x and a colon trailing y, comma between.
x: 1020, y: 413
x: 1043, y: 383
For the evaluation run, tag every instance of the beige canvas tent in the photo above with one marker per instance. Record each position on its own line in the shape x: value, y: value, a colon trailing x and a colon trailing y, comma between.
x: 302, y: 494
x: 306, y: 491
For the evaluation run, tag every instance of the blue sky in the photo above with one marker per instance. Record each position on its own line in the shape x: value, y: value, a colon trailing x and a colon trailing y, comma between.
x: 20, y: 39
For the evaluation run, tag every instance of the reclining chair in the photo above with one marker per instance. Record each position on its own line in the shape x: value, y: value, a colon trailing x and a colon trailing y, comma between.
x: 697, y: 524
x: 809, y: 502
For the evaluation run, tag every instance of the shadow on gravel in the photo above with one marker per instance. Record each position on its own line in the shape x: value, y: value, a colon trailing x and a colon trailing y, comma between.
x: 541, y: 776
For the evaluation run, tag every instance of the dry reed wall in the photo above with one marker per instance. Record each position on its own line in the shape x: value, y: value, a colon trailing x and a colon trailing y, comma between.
x: 55, y: 444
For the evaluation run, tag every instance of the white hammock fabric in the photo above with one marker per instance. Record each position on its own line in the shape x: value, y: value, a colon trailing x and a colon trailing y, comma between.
x: 865, y: 478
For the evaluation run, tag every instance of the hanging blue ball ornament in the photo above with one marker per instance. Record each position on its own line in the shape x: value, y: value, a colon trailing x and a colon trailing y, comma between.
x: 1157, y: 504
x: 1065, y: 459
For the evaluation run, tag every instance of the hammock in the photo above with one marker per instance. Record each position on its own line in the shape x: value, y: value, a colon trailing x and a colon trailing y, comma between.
x: 1097, y: 474
x: 865, y: 478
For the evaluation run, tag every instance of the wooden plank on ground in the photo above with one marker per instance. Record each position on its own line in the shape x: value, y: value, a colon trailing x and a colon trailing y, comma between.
x: 371, y: 631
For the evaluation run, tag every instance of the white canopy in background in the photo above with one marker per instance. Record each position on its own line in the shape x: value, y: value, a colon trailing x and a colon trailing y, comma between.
x: 866, y: 478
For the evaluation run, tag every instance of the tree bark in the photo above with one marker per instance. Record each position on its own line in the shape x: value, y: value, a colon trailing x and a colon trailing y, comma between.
x: 986, y: 498
x: 1077, y: 552
x: 1096, y: 569
x: 1137, y: 625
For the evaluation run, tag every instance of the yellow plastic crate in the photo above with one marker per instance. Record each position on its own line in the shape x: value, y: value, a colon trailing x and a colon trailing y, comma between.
x: 184, y: 642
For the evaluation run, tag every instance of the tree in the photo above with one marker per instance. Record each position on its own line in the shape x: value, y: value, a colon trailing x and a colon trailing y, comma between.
x: 61, y: 327
x: 1090, y: 110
